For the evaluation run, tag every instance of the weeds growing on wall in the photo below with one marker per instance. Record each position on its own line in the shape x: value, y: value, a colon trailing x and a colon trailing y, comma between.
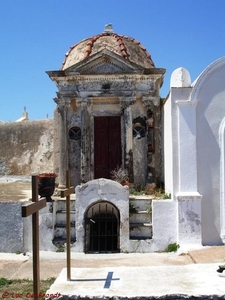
x: 132, y: 208
x: 156, y: 193
x: 120, y: 175
x: 61, y: 249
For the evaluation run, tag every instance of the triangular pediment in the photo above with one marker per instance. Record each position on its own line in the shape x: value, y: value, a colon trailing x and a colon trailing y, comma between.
x: 103, y: 62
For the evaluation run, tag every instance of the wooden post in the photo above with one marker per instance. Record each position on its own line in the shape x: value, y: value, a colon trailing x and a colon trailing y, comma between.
x: 66, y: 193
x: 33, y: 209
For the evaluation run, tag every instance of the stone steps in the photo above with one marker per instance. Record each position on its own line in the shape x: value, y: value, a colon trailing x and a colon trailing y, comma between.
x: 141, y: 220
x: 60, y: 223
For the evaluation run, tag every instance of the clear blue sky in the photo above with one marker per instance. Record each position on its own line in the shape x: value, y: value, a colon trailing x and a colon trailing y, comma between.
x: 35, y: 35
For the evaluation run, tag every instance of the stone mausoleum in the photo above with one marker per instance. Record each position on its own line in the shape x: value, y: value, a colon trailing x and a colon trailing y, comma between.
x: 108, y: 111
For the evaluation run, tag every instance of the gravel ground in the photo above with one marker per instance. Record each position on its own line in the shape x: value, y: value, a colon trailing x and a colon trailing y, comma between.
x: 15, y: 188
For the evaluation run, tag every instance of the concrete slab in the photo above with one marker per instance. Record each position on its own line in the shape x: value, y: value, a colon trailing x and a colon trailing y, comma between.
x: 142, y: 281
x: 151, y: 275
x: 19, y: 266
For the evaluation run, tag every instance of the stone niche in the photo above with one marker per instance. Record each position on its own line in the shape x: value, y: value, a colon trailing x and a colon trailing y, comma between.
x: 94, y: 200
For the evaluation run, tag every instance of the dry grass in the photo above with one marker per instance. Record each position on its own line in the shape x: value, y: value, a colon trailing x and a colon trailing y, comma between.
x: 22, y: 288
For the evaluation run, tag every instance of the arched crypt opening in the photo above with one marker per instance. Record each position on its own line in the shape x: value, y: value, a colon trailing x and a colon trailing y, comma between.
x: 102, y: 217
x: 102, y: 223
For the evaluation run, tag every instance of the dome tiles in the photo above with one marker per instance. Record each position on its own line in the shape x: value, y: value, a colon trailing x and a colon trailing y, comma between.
x: 126, y: 47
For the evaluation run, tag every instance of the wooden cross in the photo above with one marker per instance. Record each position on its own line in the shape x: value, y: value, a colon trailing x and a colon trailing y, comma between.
x: 33, y: 209
x: 66, y: 193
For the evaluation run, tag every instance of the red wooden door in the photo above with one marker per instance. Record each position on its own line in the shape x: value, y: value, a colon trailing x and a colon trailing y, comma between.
x: 107, y: 145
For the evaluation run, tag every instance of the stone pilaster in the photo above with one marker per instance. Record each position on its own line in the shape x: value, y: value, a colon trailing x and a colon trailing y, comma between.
x: 62, y: 106
x: 187, y: 155
x: 125, y: 103
x: 83, y: 103
x: 150, y: 101
x: 189, y: 200
x: 154, y: 146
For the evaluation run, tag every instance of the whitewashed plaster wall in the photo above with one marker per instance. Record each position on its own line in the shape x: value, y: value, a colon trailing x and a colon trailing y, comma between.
x: 164, y: 216
x: 197, y: 160
x: 101, y: 190
x: 46, y: 230
x: 209, y: 96
x: 167, y: 145
x: 164, y: 220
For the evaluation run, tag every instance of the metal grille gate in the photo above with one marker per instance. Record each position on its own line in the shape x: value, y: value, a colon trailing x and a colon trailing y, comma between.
x: 102, y: 228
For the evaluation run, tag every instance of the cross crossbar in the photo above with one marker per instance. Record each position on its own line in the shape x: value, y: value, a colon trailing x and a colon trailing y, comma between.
x: 107, y: 280
x: 66, y: 192
x: 31, y: 208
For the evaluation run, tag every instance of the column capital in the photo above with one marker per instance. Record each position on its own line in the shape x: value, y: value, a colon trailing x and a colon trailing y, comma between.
x: 183, y: 196
x: 126, y: 101
x: 83, y: 102
x: 63, y: 103
x: 148, y: 101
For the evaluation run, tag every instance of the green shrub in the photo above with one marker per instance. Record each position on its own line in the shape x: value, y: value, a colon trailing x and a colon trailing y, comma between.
x: 137, y: 192
x: 149, y: 210
x: 172, y: 247
x: 60, y: 249
x: 4, y: 281
x: 166, y: 196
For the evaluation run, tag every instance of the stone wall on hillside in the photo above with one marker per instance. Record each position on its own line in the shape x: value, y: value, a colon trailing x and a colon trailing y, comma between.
x: 26, y: 147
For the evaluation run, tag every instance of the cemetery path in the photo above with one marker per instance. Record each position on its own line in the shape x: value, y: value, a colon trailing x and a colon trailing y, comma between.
x: 51, y: 263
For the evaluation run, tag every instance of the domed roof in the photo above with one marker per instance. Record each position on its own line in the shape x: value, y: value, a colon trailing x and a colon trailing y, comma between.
x: 126, y: 47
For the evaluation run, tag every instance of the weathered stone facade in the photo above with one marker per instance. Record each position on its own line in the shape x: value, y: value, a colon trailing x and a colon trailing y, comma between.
x: 98, y: 79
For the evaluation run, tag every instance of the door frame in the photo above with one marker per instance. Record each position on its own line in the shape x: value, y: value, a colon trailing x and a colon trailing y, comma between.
x: 112, y: 159
x: 106, y: 114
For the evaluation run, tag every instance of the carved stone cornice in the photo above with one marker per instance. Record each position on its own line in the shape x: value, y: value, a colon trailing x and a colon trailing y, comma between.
x: 126, y: 101
x: 149, y: 101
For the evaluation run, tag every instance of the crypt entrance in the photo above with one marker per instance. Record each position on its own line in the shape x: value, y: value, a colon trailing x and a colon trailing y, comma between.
x: 107, y: 145
x: 102, y: 222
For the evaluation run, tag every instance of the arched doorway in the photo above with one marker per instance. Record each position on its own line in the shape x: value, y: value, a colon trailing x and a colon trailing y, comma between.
x: 102, y: 223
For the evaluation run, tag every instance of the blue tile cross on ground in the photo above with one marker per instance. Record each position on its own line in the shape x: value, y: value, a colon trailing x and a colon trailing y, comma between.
x: 107, y: 280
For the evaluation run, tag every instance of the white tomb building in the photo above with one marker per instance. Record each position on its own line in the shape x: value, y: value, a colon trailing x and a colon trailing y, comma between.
x: 194, y: 118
